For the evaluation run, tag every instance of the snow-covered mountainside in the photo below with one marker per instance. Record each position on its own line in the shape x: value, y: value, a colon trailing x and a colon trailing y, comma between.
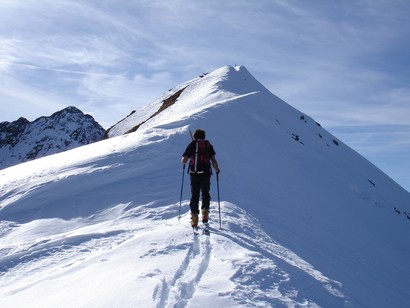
x: 306, y: 221
x: 23, y: 140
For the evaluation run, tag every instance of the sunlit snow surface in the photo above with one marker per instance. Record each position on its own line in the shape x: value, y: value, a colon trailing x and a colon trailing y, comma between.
x: 306, y: 221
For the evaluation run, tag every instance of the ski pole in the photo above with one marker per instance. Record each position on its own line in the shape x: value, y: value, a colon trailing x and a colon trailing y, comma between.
x: 182, y: 187
x: 219, y: 201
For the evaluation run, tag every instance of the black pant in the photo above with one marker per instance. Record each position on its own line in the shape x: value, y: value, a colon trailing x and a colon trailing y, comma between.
x: 200, y: 183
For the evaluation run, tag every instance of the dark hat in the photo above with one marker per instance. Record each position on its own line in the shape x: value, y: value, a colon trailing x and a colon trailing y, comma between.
x: 199, y: 134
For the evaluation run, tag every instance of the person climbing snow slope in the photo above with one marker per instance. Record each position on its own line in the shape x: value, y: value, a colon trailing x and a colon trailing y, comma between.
x: 201, y: 155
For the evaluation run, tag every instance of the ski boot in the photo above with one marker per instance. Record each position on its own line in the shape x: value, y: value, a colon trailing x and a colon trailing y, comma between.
x: 194, y: 221
x: 205, y: 214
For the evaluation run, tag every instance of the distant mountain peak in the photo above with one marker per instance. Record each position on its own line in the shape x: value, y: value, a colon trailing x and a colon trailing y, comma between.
x: 22, y: 140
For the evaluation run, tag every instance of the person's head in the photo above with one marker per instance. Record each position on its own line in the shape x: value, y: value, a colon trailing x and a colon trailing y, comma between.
x: 199, y: 134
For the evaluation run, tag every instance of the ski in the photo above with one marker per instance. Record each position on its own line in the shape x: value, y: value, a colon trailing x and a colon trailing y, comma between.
x: 195, y: 230
x: 205, y: 229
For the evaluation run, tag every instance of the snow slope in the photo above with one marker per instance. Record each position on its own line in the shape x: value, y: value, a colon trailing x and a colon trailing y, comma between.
x: 306, y: 221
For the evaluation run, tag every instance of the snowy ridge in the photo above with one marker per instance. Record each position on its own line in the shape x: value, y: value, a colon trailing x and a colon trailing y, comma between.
x: 193, y: 96
x: 306, y: 221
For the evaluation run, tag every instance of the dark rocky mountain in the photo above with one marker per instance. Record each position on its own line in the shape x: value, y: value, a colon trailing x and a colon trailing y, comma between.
x: 23, y: 140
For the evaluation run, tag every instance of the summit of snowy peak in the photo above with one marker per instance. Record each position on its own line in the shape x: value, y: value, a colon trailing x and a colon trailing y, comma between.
x: 221, y: 85
x: 237, y: 79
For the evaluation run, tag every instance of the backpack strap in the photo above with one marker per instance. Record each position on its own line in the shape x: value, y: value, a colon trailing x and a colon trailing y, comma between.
x: 196, y: 157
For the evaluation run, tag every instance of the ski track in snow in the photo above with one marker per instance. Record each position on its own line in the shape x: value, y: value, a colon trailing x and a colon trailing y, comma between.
x: 180, y: 289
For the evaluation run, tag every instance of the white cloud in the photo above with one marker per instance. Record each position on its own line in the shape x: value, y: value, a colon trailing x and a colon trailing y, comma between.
x: 29, y: 102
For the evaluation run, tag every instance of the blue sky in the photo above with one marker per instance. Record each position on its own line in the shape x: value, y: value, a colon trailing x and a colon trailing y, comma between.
x: 345, y: 63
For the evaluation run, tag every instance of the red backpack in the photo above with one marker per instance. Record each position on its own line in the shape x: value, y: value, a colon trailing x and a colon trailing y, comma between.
x: 199, y: 162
